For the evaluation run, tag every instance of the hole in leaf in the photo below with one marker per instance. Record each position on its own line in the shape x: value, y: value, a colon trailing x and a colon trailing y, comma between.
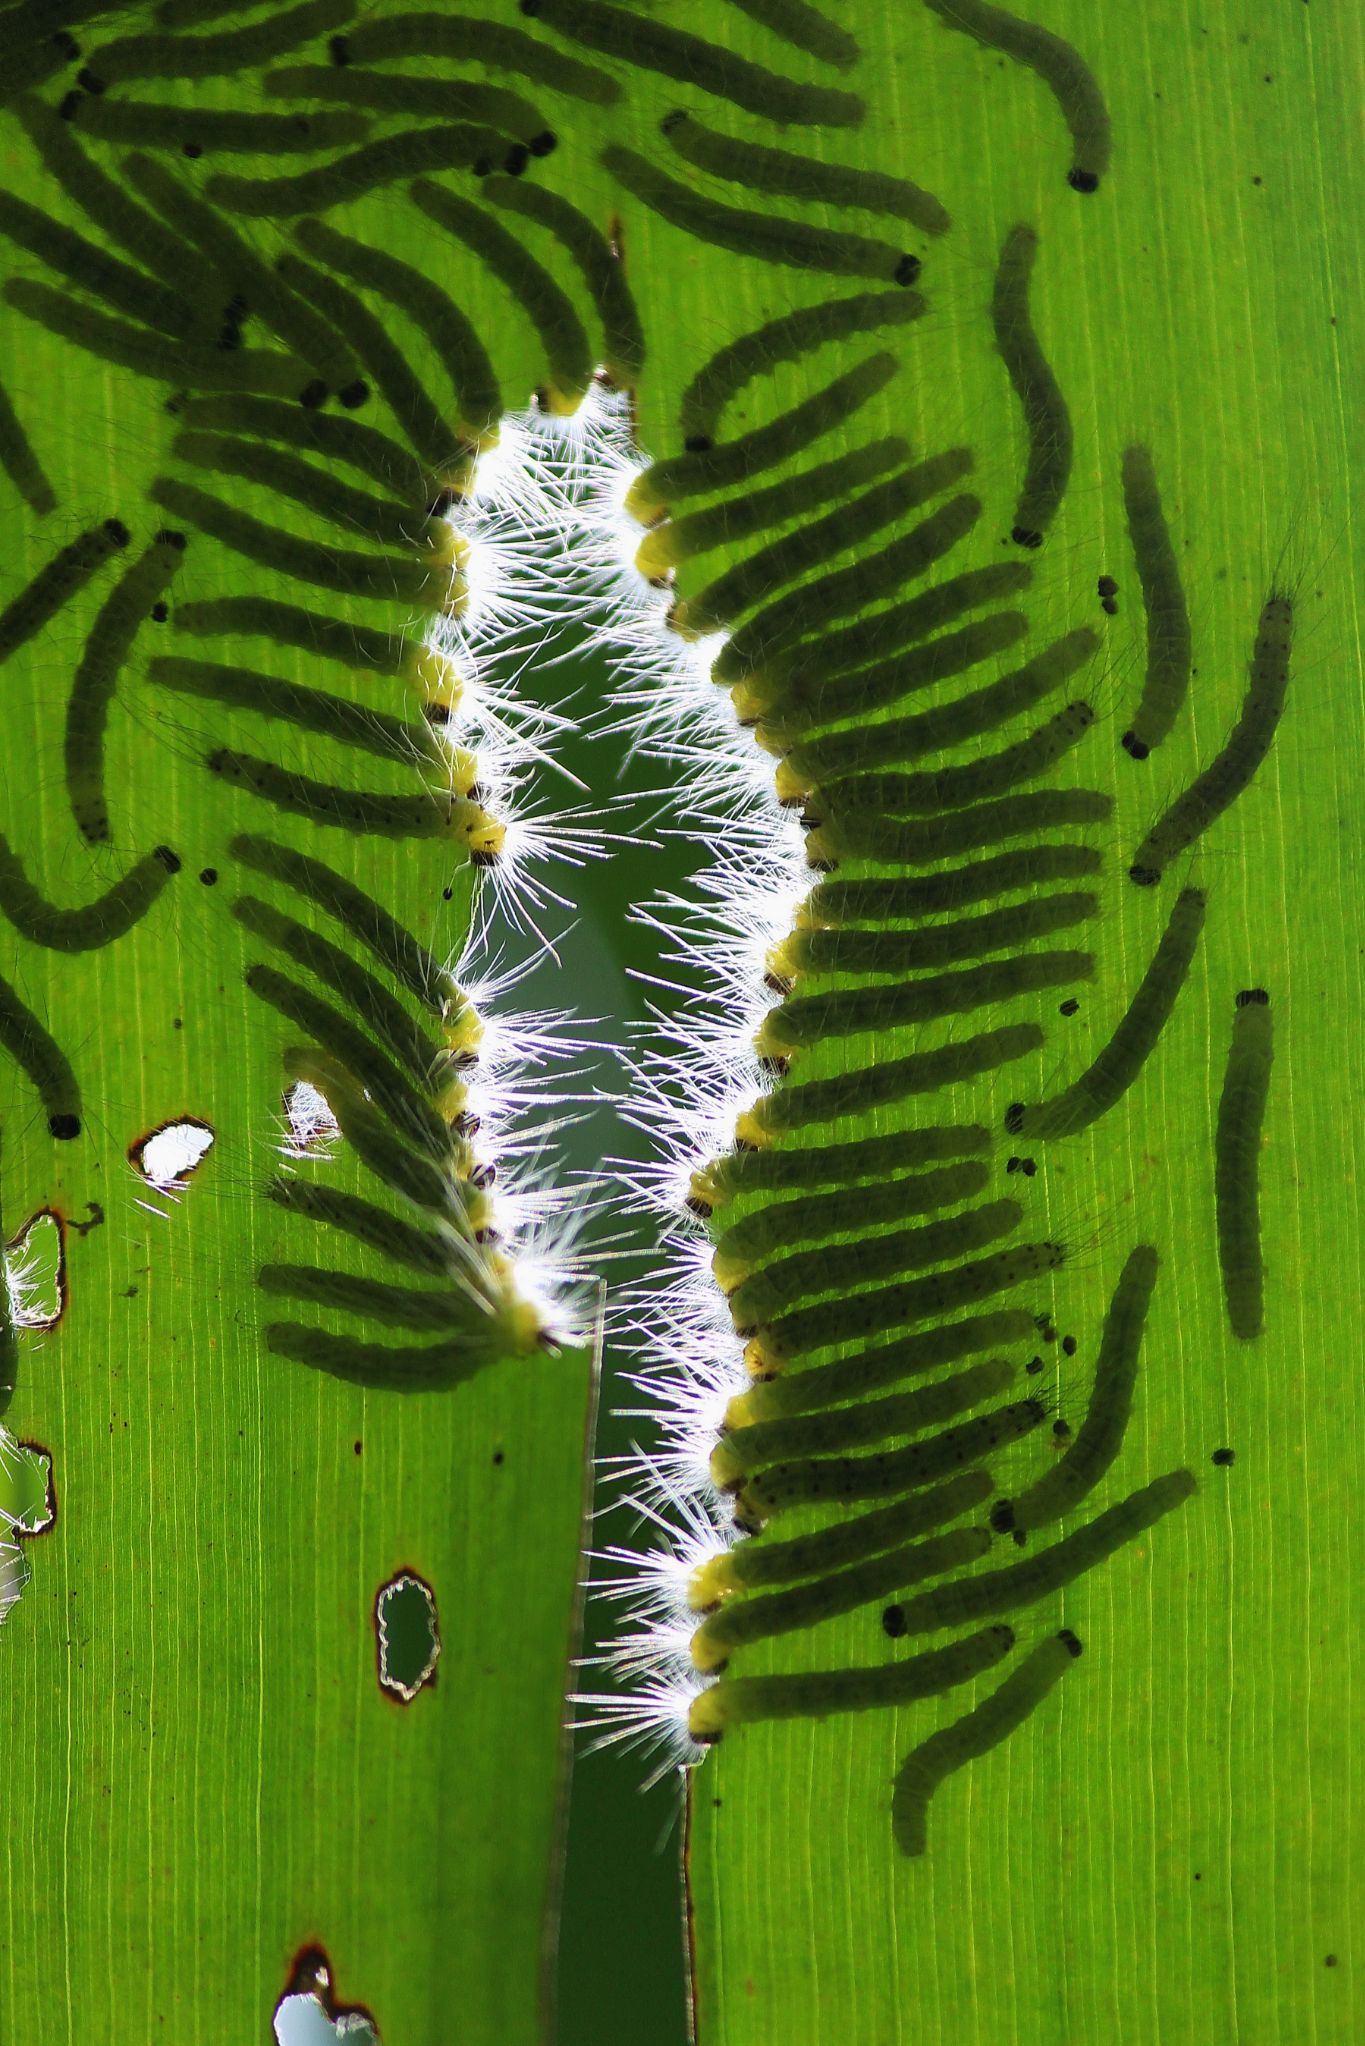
x: 168, y: 1156
x: 14, y: 1575
x: 308, y: 2013
x: 35, y: 1268
x: 408, y: 1634
x: 310, y: 1126
x: 28, y: 1497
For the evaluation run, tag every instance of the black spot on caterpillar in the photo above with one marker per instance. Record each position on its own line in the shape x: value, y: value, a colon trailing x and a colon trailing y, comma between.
x: 57, y: 582
x: 805, y: 28
x: 812, y: 698
x: 95, y: 923
x: 813, y: 1218
x: 395, y: 578
x: 1068, y: 1007
x: 413, y: 94
x: 886, y: 1081
x: 310, y: 710
x: 360, y: 647
x: 792, y: 176
x: 462, y: 355
x: 873, y: 900
x: 833, y: 1430
x: 952, y: 723
x: 107, y: 647
x: 600, y: 266
x: 737, y: 461
x: 899, y: 952
x: 863, y: 1314
x: 150, y: 354
x: 363, y: 919
x: 974, y: 1735
x: 20, y: 462
x: 754, y: 511
x: 453, y: 145
x: 155, y: 124
x: 1062, y: 70
x: 1237, y: 1147
x: 383, y: 1367
x: 217, y: 56
x: 1163, y: 597
x: 1046, y: 418
x: 799, y: 553
x: 404, y: 1171
x: 817, y: 603
x: 843, y: 1480
x: 429, y: 815
x: 568, y: 351
x: 633, y: 38
x: 950, y: 788
x: 731, y: 368
x: 921, y: 843
x: 804, y: 1020
x: 1246, y: 746
x: 768, y: 1614
x: 383, y: 520
x: 741, y: 1173
x: 1113, y: 1072
x: 965, y: 1599
x: 363, y: 448
x: 472, y: 39
x: 813, y: 1694
x: 49, y: 1070
x: 771, y: 239
x: 377, y: 1008
x: 421, y: 1250
x: 396, y: 1307
x: 83, y: 263
x: 1099, y: 1438
x: 816, y: 1386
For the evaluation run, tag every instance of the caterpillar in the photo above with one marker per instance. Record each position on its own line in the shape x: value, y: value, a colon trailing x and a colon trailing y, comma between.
x: 732, y: 368
x: 399, y: 1307
x: 989, y: 774
x: 1099, y: 1438
x: 874, y: 900
x: 974, y: 1735
x: 107, y: 647
x: 817, y: 1386
x: 1062, y: 70
x: 57, y: 582
x: 598, y: 263
x: 403, y: 1170
x: 452, y: 145
x: 754, y: 1565
x: 820, y: 1216
x: 429, y: 815
x: 755, y: 511
x: 33, y: 64
x: 798, y: 553
x: 1237, y: 1144
x: 653, y: 46
x: 20, y: 462
x: 805, y: 28
x: 921, y: 843
x: 421, y: 1250
x: 813, y: 697
x: 965, y: 1599
x: 737, y: 461
x: 774, y: 1289
x: 158, y: 125
x: 452, y: 99
x: 81, y: 262
x: 395, y: 578
x: 568, y: 351
x: 1114, y: 1071
x: 364, y: 448
x: 383, y: 1367
x: 803, y: 1020
x: 461, y: 354
x: 740, y: 1173
x: 380, y: 519
x: 899, y: 952
x: 48, y: 1069
x: 471, y: 39
x: 1231, y: 772
x: 834, y: 1430
x: 813, y: 1694
x: 364, y: 919
x: 1047, y: 420
x: 889, y: 1080
x: 791, y: 176
x: 826, y: 757
x: 768, y: 1614
x: 842, y: 1480
x: 95, y: 923
x: 857, y: 1316
x: 1163, y: 596
x: 361, y: 647
x: 216, y: 56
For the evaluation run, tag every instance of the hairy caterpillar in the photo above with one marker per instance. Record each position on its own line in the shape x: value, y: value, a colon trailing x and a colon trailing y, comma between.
x: 358, y: 446
x: 600, y: 266
x: 1046, y: 417
x: 159, y: 356
x: 34, y: 1048
x: 803, y: 1020
x: 57, y: 582
x: 156, y: 124
x: 989, y: 774
x: 1113, y: 1072
x: 726, y: 373
x: 453, y: 145
x: 428, y: 815
x: 1062, y: 70
x: 1237, y: 1144
x: 754, y: 511
x: 381, y: 519
x: 399, y: 1307
x: 853, y: 1093
x: 384, y: 1367
x: 898, y: 952
x: 817, y: 1216
x: 871, y: 899
x: 95, y: 923
x: 740, y: 1173
x: 216, y: 56
x: 895, y: 842
x: 377, y: 1228
x: 403, y: 1170
x: 473, y: 39
x: 452, y: 99
x: 842, y: 1480
x: 81, y: 262
x: 805, y: 28
x: 814, y: 698
x: 791, y: 176
x: 974, y: 1735
x: 361, y: 647
x: 19, y: 460
x: 816, y: 1386
x: 1163, y: 596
